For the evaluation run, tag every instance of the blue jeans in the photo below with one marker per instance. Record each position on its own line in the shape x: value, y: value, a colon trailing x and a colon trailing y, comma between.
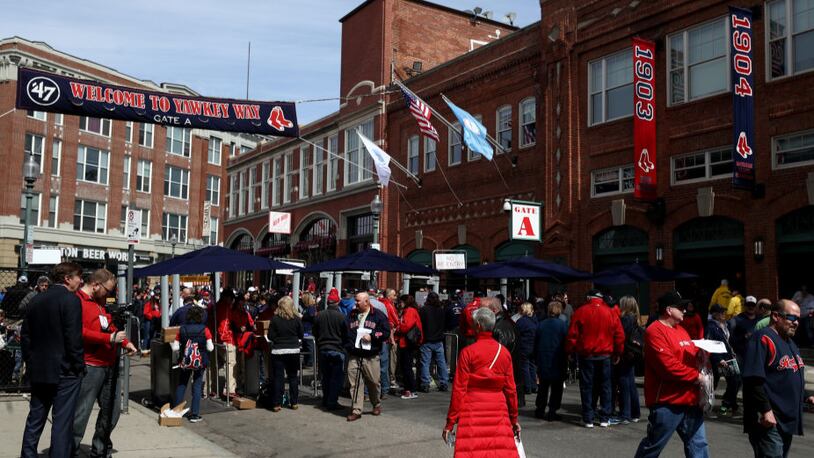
x: 629, y: 407
x: 61, y: 398
x: 197, y: 382
x: 433, y: 351
x: 100, y: 385
x: 332, y: 369
x: 595, y: 371
x: 146, y: 334
x: 664, y: 420
x: 384, y: 357
x: 770, y: 443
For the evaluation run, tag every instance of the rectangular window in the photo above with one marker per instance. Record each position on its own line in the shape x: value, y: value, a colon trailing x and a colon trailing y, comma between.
x: 53, y: 208
x: 213, y: 231
x: 244, y: 149
x: 92, y: 165
x: 176, y: 182
x: 616, y: 180
x: 34, y: 145
x: 56, y: 156
x: 266, y: 184
x: 232, y: 149
x: 145, y: 224
x: 277, y: 181
x: 174, y: 225
x: 305, y: 172
x: 89, y: 216
x: 698, y: 62
x: 504, y: 128
x: 702, y: 166
x: 59, y: 119
x: 319, y: 170
x: 793, y: 150
x: 242, y: 193
x: 250, y: 189
x: 212, y: 190
x: 412, y: 154
x: 179, y: 141
x: 610, y: 87
x: 333, y: 163
x: 39, y: 115
x: 36, y: 200
x: 144, y: 172
x: 215, y: 150
x: 357, y: 160
x: 429, y: 154
x: 455, y: 151
x: 471, y: 155
x: 233, y: 193
x: 123, y: 219
x: 126, y: 173
x: 145, y: 134
x: 791, y: 37
x: 289, y: 177
x: 97, y: 126
x: 128, y: 131
x: 528, y: 122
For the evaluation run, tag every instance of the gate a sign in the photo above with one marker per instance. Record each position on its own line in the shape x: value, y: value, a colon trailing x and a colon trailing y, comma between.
x: 526, y: 221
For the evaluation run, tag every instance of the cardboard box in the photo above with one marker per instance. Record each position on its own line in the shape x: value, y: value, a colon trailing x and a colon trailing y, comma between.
x: 262, y: 327
x: 171, y: 421
x: 168, y: 334
x: 244, y: 403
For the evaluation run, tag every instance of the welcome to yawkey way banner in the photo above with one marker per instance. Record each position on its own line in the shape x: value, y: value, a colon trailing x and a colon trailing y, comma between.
x: 44, y: 91
x: 743, y: 98
x: 644, y: 120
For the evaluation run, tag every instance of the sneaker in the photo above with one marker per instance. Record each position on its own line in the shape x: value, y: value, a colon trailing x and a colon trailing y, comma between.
x: 618, y: 421
x: 295, y: 406
x: 724, y: 411
x: 589, y: 425
x: 443, y: 388
x: 195, y: 418
x: 409, y: 395
x: 604, y: 424
x: 634, y: 420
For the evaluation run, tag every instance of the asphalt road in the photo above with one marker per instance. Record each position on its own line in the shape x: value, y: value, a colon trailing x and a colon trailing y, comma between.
x: 412, y: 428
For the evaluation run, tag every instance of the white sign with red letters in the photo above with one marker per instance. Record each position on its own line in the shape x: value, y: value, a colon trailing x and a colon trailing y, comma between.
x: 526, y: 221
x: 279, y: 223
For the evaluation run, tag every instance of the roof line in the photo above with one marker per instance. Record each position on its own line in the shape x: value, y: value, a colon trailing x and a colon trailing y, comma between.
x: 436, y: 6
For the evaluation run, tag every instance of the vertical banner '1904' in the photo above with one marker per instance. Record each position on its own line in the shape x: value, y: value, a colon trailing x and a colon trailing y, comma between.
x: 743, y: 103
x: 644, y: 119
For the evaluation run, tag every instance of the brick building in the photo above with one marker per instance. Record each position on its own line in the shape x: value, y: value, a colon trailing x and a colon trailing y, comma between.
x: 92, y: 170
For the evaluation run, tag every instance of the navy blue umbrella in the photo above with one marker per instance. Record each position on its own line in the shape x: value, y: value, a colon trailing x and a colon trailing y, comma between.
x: 638, y: 273
x: 563, y: 273
x: 211, y: 259
x: 370, y: 260
x: 528, y: 267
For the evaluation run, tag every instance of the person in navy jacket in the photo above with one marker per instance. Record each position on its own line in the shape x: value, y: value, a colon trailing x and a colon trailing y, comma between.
x: 368, y: 329
x: 549, y: 353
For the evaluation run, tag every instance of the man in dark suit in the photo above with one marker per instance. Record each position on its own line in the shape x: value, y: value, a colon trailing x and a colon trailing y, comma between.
x: 52, y: 349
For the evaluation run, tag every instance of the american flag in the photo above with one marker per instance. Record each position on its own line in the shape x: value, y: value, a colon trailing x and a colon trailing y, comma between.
x: 529, y: 134
x: 421, y: 113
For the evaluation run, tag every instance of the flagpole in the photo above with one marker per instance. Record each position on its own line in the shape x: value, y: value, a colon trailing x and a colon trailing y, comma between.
x: 342, y: 158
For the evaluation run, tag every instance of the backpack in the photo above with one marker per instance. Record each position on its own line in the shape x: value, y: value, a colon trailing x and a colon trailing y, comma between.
x: 191, y: 358
x: 634, y: 344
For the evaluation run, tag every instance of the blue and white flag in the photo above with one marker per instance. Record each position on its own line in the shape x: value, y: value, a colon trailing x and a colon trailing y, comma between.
x: 474, y: 132
x: 381, y: 160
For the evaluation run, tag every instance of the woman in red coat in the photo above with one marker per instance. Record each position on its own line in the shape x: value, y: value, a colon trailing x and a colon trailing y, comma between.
x: 408, y: 319
x: 484, y: 397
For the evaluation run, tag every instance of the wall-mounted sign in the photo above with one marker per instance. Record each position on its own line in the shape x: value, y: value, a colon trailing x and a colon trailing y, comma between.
x: 207, y: 219
x: 133, y: 227
x: 449, y: 260
x: 526, y: 221
x: 279, y: 223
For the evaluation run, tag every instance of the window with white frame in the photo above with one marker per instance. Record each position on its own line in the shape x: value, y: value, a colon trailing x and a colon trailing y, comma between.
x: 36, y: 201
x: 243, y: 192
x: 277, y: 181
x: 610, y: 181
x: 126, y: 172
x: 232, y: 149
x: 528, y: 122
x: 92, y: 164
x: 333, y: 163
x: 697, y: 61
x: 504, y: 128
x: 702, y: 165
x: 56, y: 157
x: 123, y: 219
x: 128, y: 131
x: 791, y: 37
x: 319, y: 170
x: 145, y: 224
x: 357, y: 160
x: 176, y: 182
x: 97, y: 126
x: 245, y: 149
x: 59, y: 119
x: 144, y: 173
x: 413, y: 154
x: 34, y: 146
x: 288, y: 182
x: 471, y: 155
x: 793, y: 150
x: 215, y: 150
x: 610, y: 87
x: 38, y: 115
x: 213, y: 231
x: 212, y: 190
x: 89, y: 216
x: 430, y: 156
x: 455, y: 148
x: 145, y: 134
x: 179, y: 141
x: 174, y: 225
x: 251, y: 189
x: 305, y: 172
x: 266, y: 184
x: 53, y: 209
x: 233, y: 194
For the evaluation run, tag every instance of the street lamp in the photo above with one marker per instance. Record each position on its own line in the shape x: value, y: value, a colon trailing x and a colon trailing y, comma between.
x: 376, y: 206
x: 31, y: 172
x: 173, y: 242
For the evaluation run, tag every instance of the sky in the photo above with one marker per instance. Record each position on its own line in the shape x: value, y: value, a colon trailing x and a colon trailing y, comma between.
x: 295, y: 44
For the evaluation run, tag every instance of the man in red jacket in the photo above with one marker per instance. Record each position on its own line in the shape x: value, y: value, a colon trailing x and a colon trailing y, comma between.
x: 671, y: 383
x: 596, y: 337
x: 101, y: 341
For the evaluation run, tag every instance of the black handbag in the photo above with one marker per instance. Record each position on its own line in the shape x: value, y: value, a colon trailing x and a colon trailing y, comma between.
x: 414, y: 336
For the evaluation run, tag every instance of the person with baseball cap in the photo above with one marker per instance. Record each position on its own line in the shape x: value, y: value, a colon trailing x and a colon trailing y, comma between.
x: 671, y: 383
x: 331, y: 334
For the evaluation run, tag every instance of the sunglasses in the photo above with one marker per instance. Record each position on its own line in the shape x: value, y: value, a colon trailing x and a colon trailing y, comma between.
x: 790, y: 318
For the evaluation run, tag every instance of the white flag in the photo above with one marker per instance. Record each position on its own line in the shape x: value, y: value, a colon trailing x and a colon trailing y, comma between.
x: 380, y: 159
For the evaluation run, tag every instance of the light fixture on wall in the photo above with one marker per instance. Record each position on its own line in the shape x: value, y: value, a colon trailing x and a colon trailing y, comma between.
x: 507, y: 205
x: 758, y: 249
x: 659, y: 254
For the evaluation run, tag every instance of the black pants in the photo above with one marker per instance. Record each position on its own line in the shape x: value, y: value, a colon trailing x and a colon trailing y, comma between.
x: 62, y: 398
x: 406, y: 356
x: 291, y: 365
x: 543, y: 399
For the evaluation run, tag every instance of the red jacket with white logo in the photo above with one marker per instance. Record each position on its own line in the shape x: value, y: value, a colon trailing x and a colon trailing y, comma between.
x: 595, y: 330
x: 99, y: 352
x: 670, y: 367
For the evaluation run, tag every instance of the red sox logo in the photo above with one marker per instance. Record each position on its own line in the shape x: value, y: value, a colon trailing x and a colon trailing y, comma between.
x: 644, y: 161
x: 788, y: 362
x: 743, y: 146
x: 277, y: 119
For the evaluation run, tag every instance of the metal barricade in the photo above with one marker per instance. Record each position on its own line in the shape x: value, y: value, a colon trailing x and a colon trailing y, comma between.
x: 314, y: 383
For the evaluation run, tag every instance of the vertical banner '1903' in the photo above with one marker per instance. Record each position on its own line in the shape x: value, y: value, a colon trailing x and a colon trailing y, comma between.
x: 644, y: 119
x: 743, y: 103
